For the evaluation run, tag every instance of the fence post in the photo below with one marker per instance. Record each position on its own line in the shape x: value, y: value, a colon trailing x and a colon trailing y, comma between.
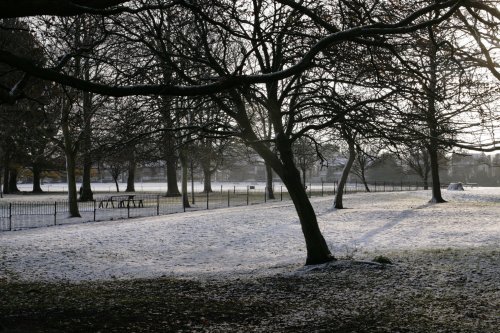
x: 356, y: 186
x: 221, y: 189
x: 228, y: 198
x: 10, y: 216
x: 94, y: 209
x: 55, y: 212
x: 208, y: 198
x: 128, y: 209
x: 281, y: 192
x: 234, y: 189
x: 322, y: 189
x: 375, y: 186
x: 157, y: 204
x: 265, y: 194
x: 334, y: 188
x: 247, y: 194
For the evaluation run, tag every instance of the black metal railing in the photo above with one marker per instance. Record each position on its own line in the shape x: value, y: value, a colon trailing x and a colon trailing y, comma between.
x: 23, y: 215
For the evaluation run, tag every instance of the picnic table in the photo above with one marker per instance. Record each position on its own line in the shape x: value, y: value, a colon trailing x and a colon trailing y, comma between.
x: 122, y: 201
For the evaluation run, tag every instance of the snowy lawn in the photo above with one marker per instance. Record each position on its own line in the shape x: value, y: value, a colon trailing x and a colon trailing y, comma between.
x: 258, y: 240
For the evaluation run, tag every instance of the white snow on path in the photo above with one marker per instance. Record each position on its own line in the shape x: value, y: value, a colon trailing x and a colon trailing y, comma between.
x: 248, y: 241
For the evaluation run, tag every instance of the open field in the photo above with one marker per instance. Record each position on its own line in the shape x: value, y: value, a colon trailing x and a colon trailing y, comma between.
x: 240, y: 269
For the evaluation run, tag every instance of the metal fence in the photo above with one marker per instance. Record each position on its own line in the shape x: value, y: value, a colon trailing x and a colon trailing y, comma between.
x: 23, y: 215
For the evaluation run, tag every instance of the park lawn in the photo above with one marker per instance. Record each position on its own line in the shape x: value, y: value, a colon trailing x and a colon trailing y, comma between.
x: 449, y: 290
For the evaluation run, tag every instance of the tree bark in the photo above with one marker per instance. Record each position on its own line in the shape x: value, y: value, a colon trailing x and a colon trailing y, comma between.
x: 207, y: 179
x: 172, y: 187
x: 436, y: 184
x: 184, y: 166
x: 432, y: 123
x: 6, y: 175
x: 37, y: 188
x: 117, y: 185
x: 337, y: 203
x: 426, y: 182
x: 269, y: 182
x: 70, y: 153
x: 317, y: 249
x: 86, y: 191
x: 13, y: 181
x: 131, y: 173
x: 363, y: 179
x: 72, y: 191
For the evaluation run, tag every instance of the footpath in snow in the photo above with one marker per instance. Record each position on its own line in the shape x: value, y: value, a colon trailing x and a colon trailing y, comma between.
x: 256, y: 240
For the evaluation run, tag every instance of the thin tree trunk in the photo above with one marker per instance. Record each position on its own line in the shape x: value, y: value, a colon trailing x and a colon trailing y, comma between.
x: 337, y: 203
x: 426, y: 182
x: 363, y: 179
x: 184, y: 166
x: 37, y: 188
x: 269, y: 182
x: 72, y: 192
x: 365, y: 183
x: 192, y: 182
x: 117, y: 185
x: 131, y: 173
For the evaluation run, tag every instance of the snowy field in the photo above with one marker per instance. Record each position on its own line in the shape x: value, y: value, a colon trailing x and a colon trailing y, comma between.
x: 249, y: 241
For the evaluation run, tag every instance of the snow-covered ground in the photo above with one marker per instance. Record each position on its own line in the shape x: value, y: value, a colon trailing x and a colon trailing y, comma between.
x: 251, y: 240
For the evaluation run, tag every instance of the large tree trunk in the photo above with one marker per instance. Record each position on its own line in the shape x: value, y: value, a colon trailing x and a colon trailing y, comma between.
x: 436, y: 184
x: 269, y: 182
x: 70, y: 153
x: 337, y: 203
x: 432, y: 123
x: 172, y: 187
x: 5, y: 186
x: 86, y: 191
x: 37, y: 188
x: 131, y: 173
x: 184, y: 166
x: 207, y: 179
x: 13, y: 180
x: 317, y: 249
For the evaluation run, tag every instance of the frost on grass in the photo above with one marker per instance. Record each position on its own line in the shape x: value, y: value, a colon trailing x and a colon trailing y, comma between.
x: 249, y: 241
x: 241, y: 270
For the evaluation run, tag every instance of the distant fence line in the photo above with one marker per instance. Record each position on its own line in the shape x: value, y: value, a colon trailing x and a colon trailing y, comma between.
x: 24, y: 215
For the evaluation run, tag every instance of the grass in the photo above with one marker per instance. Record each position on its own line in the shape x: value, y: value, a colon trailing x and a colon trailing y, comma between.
x: 425, y: 291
